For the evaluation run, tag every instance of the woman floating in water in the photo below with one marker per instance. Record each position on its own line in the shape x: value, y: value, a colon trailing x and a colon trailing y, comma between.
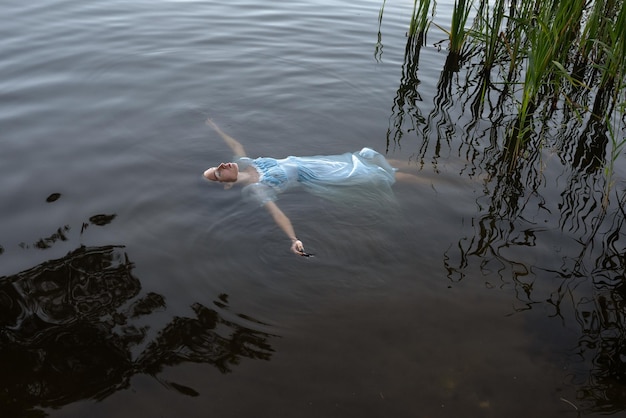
x: 324, y: 175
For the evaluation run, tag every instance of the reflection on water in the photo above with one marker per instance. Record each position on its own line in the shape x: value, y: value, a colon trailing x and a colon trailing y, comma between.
x: 601, y: 315
x: 69, y: 328
x: 566, y: 256
x: 405, y: 104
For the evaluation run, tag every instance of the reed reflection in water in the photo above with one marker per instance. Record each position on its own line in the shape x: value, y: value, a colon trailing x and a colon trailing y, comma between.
x: 566, y: 257
x: 73, y: 329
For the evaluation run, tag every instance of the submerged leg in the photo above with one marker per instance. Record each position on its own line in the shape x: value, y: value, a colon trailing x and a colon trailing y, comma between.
x: 409, y: 178
x: 404, y: 176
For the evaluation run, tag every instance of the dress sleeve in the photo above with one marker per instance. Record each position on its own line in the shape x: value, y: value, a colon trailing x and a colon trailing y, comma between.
x: 259, y: 193
x: 243, y: 162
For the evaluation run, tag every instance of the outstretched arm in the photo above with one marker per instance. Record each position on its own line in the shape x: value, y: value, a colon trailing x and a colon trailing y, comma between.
x: 284, y: 223
x: 230, y: 141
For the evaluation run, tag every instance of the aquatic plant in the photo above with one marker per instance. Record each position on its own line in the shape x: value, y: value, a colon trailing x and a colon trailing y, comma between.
x: 616, y: 129
x: 610, y: 101
x: 420, y: 21
x: 487, y: 30
x: 550, y: 33
x: 537, y: 54
x: 458, y: 32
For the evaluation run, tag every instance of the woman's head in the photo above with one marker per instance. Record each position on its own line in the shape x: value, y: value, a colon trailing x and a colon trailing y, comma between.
x: 225, y: 173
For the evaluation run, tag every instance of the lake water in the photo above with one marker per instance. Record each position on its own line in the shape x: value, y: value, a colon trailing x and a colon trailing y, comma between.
x: 130, y: 286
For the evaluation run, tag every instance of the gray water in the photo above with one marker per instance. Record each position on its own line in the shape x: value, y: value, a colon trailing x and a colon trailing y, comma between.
x: 132, y: 287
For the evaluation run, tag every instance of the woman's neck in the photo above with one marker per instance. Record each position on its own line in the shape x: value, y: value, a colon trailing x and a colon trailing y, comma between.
x: 248, y: 176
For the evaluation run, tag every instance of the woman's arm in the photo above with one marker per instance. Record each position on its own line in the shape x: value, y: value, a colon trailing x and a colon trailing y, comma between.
x: 284, y: 223
x: 230, y: 141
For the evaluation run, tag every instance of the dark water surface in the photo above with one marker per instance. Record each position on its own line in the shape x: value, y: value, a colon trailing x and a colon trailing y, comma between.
x: 131, y: 287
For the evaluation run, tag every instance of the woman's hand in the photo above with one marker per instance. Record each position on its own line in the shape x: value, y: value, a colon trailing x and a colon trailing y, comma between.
x: 297, y: 247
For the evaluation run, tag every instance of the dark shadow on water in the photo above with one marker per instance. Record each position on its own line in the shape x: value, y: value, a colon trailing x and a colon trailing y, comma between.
x: 69, y: 328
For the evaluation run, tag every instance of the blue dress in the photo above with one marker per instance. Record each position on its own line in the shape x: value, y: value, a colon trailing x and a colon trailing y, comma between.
x: 349, y: 178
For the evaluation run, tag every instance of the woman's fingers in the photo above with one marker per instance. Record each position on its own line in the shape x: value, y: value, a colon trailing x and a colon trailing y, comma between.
x: 297, y: 247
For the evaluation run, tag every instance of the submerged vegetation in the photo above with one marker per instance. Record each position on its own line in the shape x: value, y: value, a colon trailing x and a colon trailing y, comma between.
x: 538, y: 94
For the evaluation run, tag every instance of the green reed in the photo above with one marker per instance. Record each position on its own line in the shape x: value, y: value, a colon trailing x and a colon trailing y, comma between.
x: 550, y: 34
x: 601, y: 25
x: 539, y: 55
x: 420, y: 20
x: 543, y: 35
x: 487, y: 31
x: 458, y: 33
x: 613, y: 79
x: 418, y: 26
x: 617, y: 146
x: 614, y: 53
x: 593, y: 27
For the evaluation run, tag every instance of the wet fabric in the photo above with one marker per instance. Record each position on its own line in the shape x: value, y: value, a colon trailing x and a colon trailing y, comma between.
x: 359, y: 176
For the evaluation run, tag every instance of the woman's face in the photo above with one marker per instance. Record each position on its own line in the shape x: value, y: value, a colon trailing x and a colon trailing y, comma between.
x: 225, y: 172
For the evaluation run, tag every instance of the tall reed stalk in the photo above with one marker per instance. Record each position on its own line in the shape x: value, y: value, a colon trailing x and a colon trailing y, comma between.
x: 458, y: 32
x: 545, y: 54
x: 487, y: 32
x: 550, y: 37
x: 615, y: 53
x: 420, y: 21
x: 613, y: 79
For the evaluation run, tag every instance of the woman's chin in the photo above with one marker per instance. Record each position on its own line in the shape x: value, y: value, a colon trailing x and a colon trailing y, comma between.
x: 207, y: 174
